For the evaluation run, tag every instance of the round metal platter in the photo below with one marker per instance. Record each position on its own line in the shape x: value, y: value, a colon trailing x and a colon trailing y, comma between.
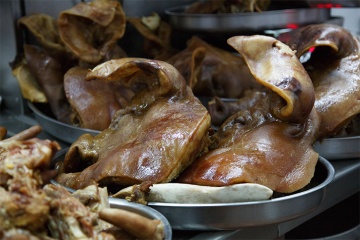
x: 143, y: 210
x: 339, y: 148
x: 244, y: 22
x: 62, y: 131
x: 231, y: 216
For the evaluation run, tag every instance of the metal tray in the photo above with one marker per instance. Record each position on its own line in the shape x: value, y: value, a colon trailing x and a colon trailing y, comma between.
x: 143, y: 210
x: 339, y: 148
x: 231, y: 216
x: 60, y: 130
x: 244, y: 22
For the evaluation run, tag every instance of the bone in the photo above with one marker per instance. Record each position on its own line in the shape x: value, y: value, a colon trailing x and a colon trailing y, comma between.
x: 133, y: 223
x: 26, y: 134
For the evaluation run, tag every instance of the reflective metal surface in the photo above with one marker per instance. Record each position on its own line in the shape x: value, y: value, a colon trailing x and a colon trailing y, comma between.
x: 249, y: 214
x: 244, y: 22
x: 230, y: 216
x: 339, y: 148
x: 57, y: 129
x: 144, y: 211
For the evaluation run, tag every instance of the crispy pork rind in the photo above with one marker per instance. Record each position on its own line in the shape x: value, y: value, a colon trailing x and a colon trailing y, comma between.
x: 91, y: 30
x: 334, y: 67
x: 270, y: 143
x: 159, y: 134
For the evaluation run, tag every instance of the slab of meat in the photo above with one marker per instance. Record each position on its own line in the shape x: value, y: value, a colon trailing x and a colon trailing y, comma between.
x: 211, y: 71
x: 91, y: 30
x: 94, y: 103
x: 153, y: 139
x: 334, y: 67
x: 271, y: 142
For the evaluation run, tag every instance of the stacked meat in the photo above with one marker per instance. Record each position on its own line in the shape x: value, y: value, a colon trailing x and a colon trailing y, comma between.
x: 155, y: 129
x: 164, y: 135
x: 33, y: 209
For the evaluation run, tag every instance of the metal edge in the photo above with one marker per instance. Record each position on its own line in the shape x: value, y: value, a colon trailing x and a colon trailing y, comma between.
x: 330, y: 148
x: 229, y: 22
x: 59, y: 129
x: 175, y: 212
x: 260, y: 212
x: 144, y: 211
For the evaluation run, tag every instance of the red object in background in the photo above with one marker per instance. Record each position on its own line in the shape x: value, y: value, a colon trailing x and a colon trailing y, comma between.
x: 327, y: 5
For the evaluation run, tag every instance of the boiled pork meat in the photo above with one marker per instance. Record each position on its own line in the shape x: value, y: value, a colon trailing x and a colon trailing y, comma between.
x: 157, y: 136
x: 91, y: 30
x: 211, y: 71
x: 93, y: 103
x: 334, y: 67
x: 271, y: 142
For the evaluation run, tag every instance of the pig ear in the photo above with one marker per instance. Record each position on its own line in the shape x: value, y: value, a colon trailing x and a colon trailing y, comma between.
x: 92, y: 29
x: 159, y: 78
x: 43, y: 27
x: 275, y: 66
x: 334, y: 67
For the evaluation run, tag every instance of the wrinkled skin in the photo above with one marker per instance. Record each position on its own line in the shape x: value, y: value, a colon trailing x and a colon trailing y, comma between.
x: 153, y: 139
x: 271, y: 142
x: 94, y: 103
x: 221, y: 109
x: 49, y: 73
x: 156, y: 42
x: 45, y: 30
x: 91, y: 30
x: 334, y: 68
x: 213, y: 71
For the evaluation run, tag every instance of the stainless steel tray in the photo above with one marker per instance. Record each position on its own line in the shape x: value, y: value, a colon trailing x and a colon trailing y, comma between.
x: 249, y: 214
x: 231, y: 216
x: 244, y: 22
x: 143, y: 210
x: 62, y: 131
x: 339, y: 148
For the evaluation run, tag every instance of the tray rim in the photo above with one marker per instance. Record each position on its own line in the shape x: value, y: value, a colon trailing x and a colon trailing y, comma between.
x: 185, y: 208
x: 244, y: 208
x: 330, y: 177
x: 200, y: 21
x: 53, y: 123
x: 326, y: 146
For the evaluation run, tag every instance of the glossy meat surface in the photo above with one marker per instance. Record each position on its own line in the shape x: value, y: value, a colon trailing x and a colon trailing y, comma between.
x: 91, y: 30
x: 334, y: 67
x: 94, y: 103
x: 153, y: 139
x: 211, y: 71
x: 271, y: 142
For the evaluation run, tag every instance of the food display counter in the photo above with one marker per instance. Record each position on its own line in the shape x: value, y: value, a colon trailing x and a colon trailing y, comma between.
x: 346, y: 183
x: 17, y: 115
